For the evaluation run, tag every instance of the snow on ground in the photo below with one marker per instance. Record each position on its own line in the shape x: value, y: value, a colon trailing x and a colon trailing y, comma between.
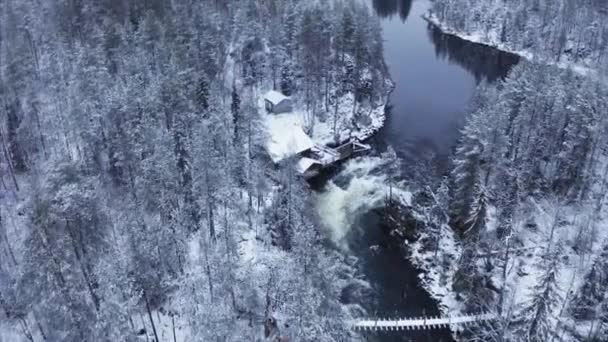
x: 530, y: 242
x: 492, y: 38
x: 285, y: 130
x: 8, y: 333
x: 248, y: 249
x: 230, y: 69
x: 532, y: 230
x: 439, y: 270
x: 165, y: 327
x: 370, y: 119
x: 567, y: 221
x: 286, y: 136
x: 255, y: 254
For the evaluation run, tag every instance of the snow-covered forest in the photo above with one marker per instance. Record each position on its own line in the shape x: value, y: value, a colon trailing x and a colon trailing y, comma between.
x: 519, y: 224
x: 141, y: 200
x: 136, y: 198
x: 527, y: 192
x: 563, y: 32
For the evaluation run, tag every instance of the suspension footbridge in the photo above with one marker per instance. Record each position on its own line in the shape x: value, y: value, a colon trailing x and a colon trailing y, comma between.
x: 420, y: 323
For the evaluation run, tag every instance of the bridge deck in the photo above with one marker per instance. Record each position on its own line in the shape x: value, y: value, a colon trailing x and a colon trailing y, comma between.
x: 419, y: 323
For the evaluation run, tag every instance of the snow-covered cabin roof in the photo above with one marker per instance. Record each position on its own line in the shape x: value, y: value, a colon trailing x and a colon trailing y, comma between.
x: 275, y: 97
x: 305, y: 163
x: 286, y: 137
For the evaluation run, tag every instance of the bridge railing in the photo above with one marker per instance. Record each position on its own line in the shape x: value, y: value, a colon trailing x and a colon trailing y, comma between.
x: 421, y: 323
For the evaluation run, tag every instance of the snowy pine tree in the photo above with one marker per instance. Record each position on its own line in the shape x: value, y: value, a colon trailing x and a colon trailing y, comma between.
x: 537, y: 315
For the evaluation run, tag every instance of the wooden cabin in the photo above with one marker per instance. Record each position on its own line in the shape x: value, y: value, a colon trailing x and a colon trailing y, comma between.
x: 277, y: 103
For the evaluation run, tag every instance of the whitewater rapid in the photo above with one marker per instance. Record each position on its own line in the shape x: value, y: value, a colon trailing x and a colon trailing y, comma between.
x: 363, y: 184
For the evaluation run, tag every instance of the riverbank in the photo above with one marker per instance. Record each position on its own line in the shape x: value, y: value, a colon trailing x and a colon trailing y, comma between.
x: 435, y: 76
x: 510, y: 270
x: 350, y: 205
x: 430, y: 246
x: 492, y: 40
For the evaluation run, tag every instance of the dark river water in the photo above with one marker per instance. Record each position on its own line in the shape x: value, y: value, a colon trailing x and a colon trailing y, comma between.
x: 436, y: 76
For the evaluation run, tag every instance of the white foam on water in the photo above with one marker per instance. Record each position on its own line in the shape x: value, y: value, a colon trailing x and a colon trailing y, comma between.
x: 367, y: 186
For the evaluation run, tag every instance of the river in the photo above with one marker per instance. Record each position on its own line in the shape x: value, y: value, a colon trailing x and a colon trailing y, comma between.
x: 435, y: 77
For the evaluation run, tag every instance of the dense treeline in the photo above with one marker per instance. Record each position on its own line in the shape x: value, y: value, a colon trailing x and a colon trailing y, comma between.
x: 517, y: 228
x: 557, y: 31
x: 532, y: 163
x: 528, y: 178
x: 132, y: 167
x: 542, y: 129
x: 483, y: 63
x: 388, y: 8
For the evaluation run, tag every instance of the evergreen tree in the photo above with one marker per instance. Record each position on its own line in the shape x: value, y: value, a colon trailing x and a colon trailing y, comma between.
x: 139, y: 177
x: 465, y: 184
x: 592, y: 293
x: 536, y: 315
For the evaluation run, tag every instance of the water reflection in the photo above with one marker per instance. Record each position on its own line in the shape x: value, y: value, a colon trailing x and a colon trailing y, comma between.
x: 436, y: 75
x: 388, y: 8
x: 483, y: 62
